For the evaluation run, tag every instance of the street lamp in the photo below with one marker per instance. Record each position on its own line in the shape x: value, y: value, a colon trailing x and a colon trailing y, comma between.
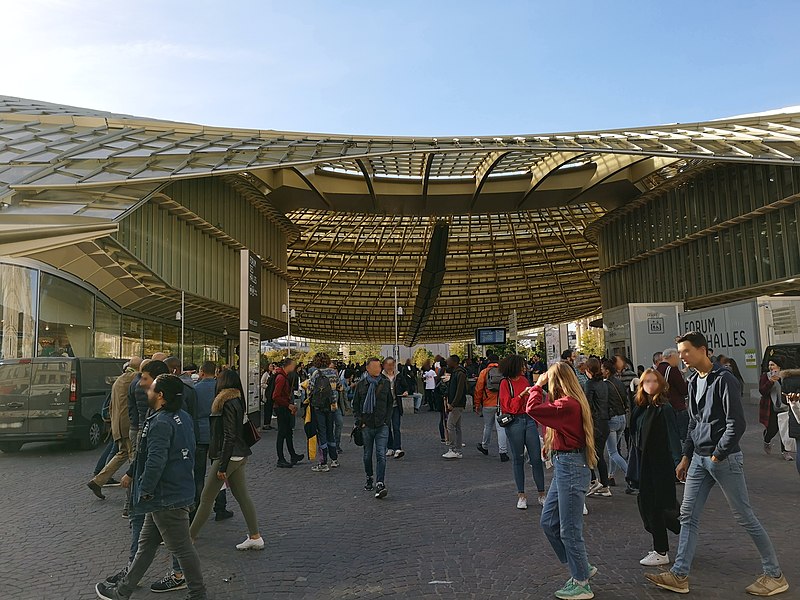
x: 398, y: 312
x: 290, y: 314
x: 179, y: 316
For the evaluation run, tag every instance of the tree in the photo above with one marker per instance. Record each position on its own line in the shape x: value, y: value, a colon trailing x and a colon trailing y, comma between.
x: 421, y: 355
x: 592, y: 342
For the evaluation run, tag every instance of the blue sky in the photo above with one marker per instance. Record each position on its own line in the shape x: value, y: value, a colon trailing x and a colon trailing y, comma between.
x: 406, y: 68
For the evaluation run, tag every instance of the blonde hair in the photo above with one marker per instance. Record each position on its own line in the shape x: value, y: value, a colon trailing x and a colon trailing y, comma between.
x: 561, y: 381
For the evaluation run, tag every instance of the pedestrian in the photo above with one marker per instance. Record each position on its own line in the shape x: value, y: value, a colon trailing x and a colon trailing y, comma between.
x: 677, y: 388
x: 285, y: 409
x: 400, y: 390
x: 456, y: 402
x: 486, y: 390
x: 229, y: 451
x: 162, y: 491
x: 772, y: 404
x: 617, y: 409
x: 523, y: 432
x: 120, y: 427
x: 372, y: 409
x: 267, y: 385
x: 597, y: 395
x: 323, y: 386
x: 429, y: 377
x: 711, y: 455
x: 654, y: 430
x: 569, y: 441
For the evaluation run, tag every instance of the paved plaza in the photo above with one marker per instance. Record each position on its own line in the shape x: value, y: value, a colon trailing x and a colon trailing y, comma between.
x: 446, y: 530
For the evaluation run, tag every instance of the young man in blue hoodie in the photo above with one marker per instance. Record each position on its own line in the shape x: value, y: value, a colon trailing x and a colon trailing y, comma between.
x: 162, y: 490
x: 711, y: 455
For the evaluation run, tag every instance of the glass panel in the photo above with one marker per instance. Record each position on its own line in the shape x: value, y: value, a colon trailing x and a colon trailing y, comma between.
x: 66, y: 313
x: 172, y: 339
x: 107, y: 322
x: 17, y: 302
x: 776, y: 245
x: 749, y: 248
x: 152, y: 338
x: 763, y: 249
x: 132, y: 337
x: 793, y: 233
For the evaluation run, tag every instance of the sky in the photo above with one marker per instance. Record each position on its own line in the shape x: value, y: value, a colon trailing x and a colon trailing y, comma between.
x: 406, y: 68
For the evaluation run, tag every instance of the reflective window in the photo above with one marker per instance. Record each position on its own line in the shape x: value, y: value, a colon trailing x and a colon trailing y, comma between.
x: 152, y: 338
x: 66, y: 314
x: 107, y: 322
x: 17, y: 302
x: 172, y: 340
x: 132, y: 337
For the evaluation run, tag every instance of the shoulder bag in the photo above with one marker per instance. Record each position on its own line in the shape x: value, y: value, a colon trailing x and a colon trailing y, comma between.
x: 505, y: 419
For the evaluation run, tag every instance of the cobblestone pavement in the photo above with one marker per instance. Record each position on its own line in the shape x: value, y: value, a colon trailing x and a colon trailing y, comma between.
x: 446, y: 530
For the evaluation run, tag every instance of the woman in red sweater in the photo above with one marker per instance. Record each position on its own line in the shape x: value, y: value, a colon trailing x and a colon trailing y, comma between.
x: 570, y: 441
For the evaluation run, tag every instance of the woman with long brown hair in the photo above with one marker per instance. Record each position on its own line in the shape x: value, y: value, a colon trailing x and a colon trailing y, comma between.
x: 570, y: 442
x: 656, y: 444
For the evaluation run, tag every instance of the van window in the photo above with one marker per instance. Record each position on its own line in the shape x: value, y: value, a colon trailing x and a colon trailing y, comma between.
x: 98, y: 376
x: 51, y: 378
x: 15, y: 379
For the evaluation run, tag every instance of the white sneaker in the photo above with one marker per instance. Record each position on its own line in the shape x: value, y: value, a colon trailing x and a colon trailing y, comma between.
x: 334, y: 464
x: 593, y: 487
x: 585, y: 510
x: 251, y: 544
x: 654, y: 559
x: 399, y: 453
x: 390, y: 453
x: 451, y: 454
x: 522, y: 504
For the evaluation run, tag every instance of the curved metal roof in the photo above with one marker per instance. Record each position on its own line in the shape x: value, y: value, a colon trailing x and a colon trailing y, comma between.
x: 468, y: 228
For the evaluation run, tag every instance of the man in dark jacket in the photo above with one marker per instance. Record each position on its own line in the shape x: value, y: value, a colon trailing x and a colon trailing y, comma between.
x: 456, y: 403
x: 372, y: 409
x: 711, y: 455
x: 678, y: 388
x: 283, y: 401
x: 162, y: 490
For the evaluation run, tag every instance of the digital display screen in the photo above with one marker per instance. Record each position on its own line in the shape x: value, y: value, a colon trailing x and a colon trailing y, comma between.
x: 487, y: 336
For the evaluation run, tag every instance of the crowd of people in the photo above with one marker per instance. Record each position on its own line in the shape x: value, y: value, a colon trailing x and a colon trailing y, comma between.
x: 594, y: 421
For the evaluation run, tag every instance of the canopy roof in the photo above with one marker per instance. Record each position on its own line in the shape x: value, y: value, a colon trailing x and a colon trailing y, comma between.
x: 468, y: 228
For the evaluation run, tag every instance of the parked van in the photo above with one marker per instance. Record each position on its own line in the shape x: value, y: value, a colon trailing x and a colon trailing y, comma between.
x: 54, y: 398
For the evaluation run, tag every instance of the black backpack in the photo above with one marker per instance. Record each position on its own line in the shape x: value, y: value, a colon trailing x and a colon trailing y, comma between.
x: 322, y: 393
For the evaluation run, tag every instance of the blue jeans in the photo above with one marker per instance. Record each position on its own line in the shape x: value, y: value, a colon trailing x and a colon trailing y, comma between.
x: 395, y: 438
x: 325, y: 438
x: 375, y: 440
x: 338, y: 424
x: 616, y: 427
x: 562, y: 513
x: 523, y: 433
x: 137, y: 521
x: 110, y: 450
x: 729, y: 474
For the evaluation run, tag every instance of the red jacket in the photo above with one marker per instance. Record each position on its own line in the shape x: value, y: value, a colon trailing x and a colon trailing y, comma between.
x: 281, y: 392
x: 513, y: 405
x: 678, y: 388
x: 563, y: 416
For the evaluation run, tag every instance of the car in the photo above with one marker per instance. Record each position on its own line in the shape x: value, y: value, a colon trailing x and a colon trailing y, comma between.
x: 790, y: 353
x: 54, y: 398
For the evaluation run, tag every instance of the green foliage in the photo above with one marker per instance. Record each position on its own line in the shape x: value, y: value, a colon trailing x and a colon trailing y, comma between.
x: 592, y: 342
x: 421, y: 355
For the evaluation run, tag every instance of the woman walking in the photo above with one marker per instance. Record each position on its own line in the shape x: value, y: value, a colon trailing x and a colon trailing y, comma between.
x: 772, y: 403
x: 524, y: 431
x: 617, y: 408
x: 654, y: 430
x: 400, y: 388
x: 597, y: 395
x: 229, y: 451
x: 570, y: 442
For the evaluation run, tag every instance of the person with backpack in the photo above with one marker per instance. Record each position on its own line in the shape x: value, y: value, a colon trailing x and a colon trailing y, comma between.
x: 323, y: 386
x: 523, y: 432
x: 486, y: 390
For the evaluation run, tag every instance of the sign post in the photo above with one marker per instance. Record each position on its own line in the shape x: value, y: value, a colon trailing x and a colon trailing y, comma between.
x: 249, y: 326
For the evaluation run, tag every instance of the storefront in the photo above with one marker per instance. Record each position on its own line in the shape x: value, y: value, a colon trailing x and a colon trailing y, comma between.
x: 45, y: 312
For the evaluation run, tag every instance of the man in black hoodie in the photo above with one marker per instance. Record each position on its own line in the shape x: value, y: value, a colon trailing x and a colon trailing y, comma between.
x: 456, y: 403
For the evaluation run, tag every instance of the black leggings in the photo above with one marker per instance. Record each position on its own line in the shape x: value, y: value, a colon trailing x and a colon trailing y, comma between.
x: 285, y: 433
x: 600, y: 439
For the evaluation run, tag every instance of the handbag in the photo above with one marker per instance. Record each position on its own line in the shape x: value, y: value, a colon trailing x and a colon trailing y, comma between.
x: 250, y: 432
x: 505, y: 419
x: 357, y: 436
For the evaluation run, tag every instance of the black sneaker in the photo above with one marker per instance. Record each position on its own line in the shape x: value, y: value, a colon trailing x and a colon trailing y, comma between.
x: 223, y: 514
x: 368, y: 485
x: 98, y: 491
x: 170, y: 583
x: 380, y: 491
x: 504, y: 457
x: 482, y: 450
x: 105, y: 591
x: 117, y: 577
x: 298, y: 458
x: 283, y: 464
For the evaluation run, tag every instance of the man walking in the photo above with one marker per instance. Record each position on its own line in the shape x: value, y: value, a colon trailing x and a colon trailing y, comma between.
x: 486, y: 390
x: 711, y: 455
x: 285, y: 408
x: 120, y: 427
x: 456, y: 403
x: 372, y: 409
x: 163, y: 491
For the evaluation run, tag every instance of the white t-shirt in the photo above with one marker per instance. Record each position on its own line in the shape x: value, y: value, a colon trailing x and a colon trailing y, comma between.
x: 430, y: 379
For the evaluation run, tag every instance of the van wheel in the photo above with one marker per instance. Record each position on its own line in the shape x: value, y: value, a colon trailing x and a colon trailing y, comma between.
x: 9, y: 447
x: 94, y: 435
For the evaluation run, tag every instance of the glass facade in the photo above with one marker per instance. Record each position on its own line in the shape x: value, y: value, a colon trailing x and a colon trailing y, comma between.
x: 724, y: 230
x: 46, y: 315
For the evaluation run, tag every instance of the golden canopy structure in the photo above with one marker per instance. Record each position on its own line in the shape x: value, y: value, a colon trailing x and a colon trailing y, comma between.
x: 468, y: 229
